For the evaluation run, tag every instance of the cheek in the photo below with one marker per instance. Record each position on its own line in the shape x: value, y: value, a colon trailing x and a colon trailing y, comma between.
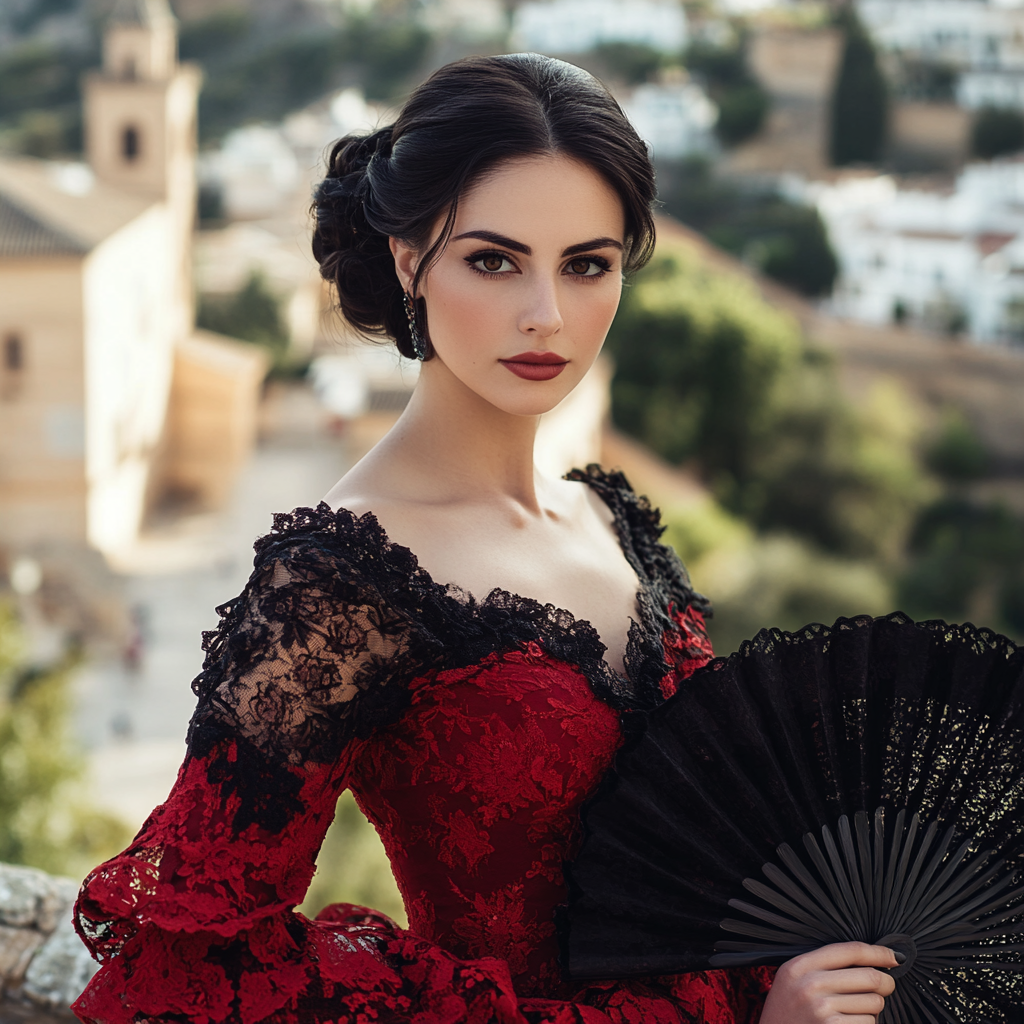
x: 462, y: 316
x: 591, y: 310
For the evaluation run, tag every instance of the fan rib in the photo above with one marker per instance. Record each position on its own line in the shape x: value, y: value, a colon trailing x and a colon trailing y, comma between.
x: 983, y: 923
x: 756, y: 931
x: 923, y: 897
x: 780, y: 922
x: 863, y: 874
x: 844, y: 882
x: 769, y: 895
x: 818, y: 858
x: 745, y: 954
x: 890, y: 873
x: 793, y: 862
x: 878, y: 860
x: 915, y: 870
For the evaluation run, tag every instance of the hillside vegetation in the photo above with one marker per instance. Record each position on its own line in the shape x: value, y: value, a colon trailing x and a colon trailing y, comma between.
x: 819, y: 507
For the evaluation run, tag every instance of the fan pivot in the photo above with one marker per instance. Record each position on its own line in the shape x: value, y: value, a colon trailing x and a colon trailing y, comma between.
x: 898, y: 942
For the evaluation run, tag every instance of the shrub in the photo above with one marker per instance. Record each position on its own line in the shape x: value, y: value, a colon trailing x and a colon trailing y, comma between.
x: 742, y: 103
x: 995, y: 131
x: 45, y: 821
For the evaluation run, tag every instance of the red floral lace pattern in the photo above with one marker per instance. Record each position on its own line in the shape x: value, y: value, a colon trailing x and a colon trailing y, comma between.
x: 470, y: 734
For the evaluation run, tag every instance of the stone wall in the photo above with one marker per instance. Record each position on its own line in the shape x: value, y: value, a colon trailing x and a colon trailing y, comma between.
x: 43, y: 963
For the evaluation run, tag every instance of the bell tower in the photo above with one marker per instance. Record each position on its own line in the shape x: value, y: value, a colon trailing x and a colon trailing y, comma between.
x: 140, y: 109
x: 140, y: 128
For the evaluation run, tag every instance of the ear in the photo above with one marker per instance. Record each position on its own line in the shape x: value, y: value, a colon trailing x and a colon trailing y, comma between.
x: 406, y: 261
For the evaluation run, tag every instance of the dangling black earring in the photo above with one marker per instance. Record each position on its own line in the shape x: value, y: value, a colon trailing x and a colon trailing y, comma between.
x: 419, y: 345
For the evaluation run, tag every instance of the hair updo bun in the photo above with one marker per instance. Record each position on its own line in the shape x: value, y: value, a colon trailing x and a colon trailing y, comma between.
x: 466, y: 118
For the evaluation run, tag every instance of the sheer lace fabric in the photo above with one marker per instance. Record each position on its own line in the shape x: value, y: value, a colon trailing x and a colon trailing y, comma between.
x: 470, y: 732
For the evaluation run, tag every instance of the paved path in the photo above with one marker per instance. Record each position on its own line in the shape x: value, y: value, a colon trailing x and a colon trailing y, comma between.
x: 132, y: 717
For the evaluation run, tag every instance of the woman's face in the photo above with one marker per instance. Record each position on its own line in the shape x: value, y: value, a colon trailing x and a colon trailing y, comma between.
x: 520, y: 301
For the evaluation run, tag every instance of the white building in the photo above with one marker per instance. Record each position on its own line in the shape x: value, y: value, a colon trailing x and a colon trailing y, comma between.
x: 959, y: 33
x: 575, y: 26
x: 675, y: 118
x: 982, y: 41
x: 950, y: 260
x: 991, y: 87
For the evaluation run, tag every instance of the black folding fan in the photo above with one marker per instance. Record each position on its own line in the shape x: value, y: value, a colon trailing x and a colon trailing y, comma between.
x: 861, y: 781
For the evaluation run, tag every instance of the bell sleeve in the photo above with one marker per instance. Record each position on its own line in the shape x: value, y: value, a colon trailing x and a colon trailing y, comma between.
x: 195, y: 921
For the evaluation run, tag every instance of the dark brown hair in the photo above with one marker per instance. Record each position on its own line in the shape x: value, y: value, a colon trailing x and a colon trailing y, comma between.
x: 465, y: 119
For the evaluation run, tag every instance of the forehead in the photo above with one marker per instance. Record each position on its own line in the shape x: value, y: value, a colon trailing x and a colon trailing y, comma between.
x: 552, y: 196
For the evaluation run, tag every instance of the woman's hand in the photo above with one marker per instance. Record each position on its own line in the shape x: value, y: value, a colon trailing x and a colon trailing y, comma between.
x: 837, y: 984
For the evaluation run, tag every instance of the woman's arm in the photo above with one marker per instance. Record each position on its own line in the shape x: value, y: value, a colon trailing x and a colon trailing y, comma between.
x: 196, y: 918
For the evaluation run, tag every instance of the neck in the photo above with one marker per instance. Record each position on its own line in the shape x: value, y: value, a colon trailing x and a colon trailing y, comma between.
x: 461, y: 447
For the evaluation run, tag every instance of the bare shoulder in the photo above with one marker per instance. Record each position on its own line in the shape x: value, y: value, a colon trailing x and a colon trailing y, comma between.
x: 406, y: 517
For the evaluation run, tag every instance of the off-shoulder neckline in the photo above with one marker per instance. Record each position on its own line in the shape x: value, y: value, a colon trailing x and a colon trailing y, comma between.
x: 575, y: 622
x: 565, y: 635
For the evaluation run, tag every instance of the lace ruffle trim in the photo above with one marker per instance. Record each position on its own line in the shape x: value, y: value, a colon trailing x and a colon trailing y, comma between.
x: 468, y: 629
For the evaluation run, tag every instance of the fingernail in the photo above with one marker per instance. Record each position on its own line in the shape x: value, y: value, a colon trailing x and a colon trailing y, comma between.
x: 901, y: 958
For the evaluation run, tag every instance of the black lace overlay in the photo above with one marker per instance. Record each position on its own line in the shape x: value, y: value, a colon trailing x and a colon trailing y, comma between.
x: 666, y: 583
x: 336, y: 620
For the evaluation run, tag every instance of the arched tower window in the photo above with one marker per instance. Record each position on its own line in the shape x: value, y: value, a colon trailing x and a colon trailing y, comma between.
x: 14, y: 353
x: 12, y: 365
x: 130, y: 143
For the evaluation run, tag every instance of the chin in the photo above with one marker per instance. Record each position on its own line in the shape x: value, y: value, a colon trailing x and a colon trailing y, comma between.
x: 527, y: 398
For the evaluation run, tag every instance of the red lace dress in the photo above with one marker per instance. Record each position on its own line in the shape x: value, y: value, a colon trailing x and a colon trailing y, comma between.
x: 470, y: 733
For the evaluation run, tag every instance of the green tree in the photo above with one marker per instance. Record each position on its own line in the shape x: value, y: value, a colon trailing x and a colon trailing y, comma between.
x: 995, y: 131
x: 45, y: 821
x: 742, y: 103
x: 253, y: 313
x: 860, y: 99
x: 958, y: 454
x: 709, y: 374
x: 782, y: 239
x: 40, y: 106
x: 632, y: 62
x: 965, y: 557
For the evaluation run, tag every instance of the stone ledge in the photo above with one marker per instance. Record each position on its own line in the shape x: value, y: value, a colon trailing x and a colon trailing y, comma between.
x: 43, y: 964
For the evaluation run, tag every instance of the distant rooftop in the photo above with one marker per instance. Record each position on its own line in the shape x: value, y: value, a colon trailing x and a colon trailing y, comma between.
x: 22, y: 234
x: 146, y: 13
x: 53, y: 208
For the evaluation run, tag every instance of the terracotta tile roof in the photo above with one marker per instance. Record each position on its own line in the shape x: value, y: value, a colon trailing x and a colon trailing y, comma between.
x: 21, y: 234
x: 84, y: 218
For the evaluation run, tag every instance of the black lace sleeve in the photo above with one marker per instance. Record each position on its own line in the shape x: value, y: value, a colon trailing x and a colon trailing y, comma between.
x: 308, y: 656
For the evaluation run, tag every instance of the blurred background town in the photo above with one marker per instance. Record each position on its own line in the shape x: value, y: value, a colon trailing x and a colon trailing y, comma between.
x: 819, y: 378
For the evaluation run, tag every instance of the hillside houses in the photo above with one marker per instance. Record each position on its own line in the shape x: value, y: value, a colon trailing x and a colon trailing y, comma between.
x: 950, y: 259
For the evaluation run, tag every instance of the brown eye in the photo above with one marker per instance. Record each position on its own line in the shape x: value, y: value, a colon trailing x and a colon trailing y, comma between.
x: 492, y: 264
x: 580, y: 266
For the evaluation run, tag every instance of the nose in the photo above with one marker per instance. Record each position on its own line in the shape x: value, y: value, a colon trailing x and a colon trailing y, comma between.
x: 542, y: 317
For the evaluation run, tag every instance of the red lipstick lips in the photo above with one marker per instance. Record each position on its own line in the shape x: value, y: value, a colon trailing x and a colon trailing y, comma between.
x: 536, y: 365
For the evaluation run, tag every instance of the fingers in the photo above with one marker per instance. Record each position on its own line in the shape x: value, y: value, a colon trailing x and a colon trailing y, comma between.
x: 840, y: 955
x: 869, y: 1004
x: 860, y: 979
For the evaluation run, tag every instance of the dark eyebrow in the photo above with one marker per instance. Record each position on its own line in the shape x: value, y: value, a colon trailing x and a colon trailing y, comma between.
x: 511, y: 243
x: 493, y: 236
x: 594, y: 243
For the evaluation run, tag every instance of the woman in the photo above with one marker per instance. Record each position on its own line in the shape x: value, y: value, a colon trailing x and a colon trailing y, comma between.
x: 487, y: 232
